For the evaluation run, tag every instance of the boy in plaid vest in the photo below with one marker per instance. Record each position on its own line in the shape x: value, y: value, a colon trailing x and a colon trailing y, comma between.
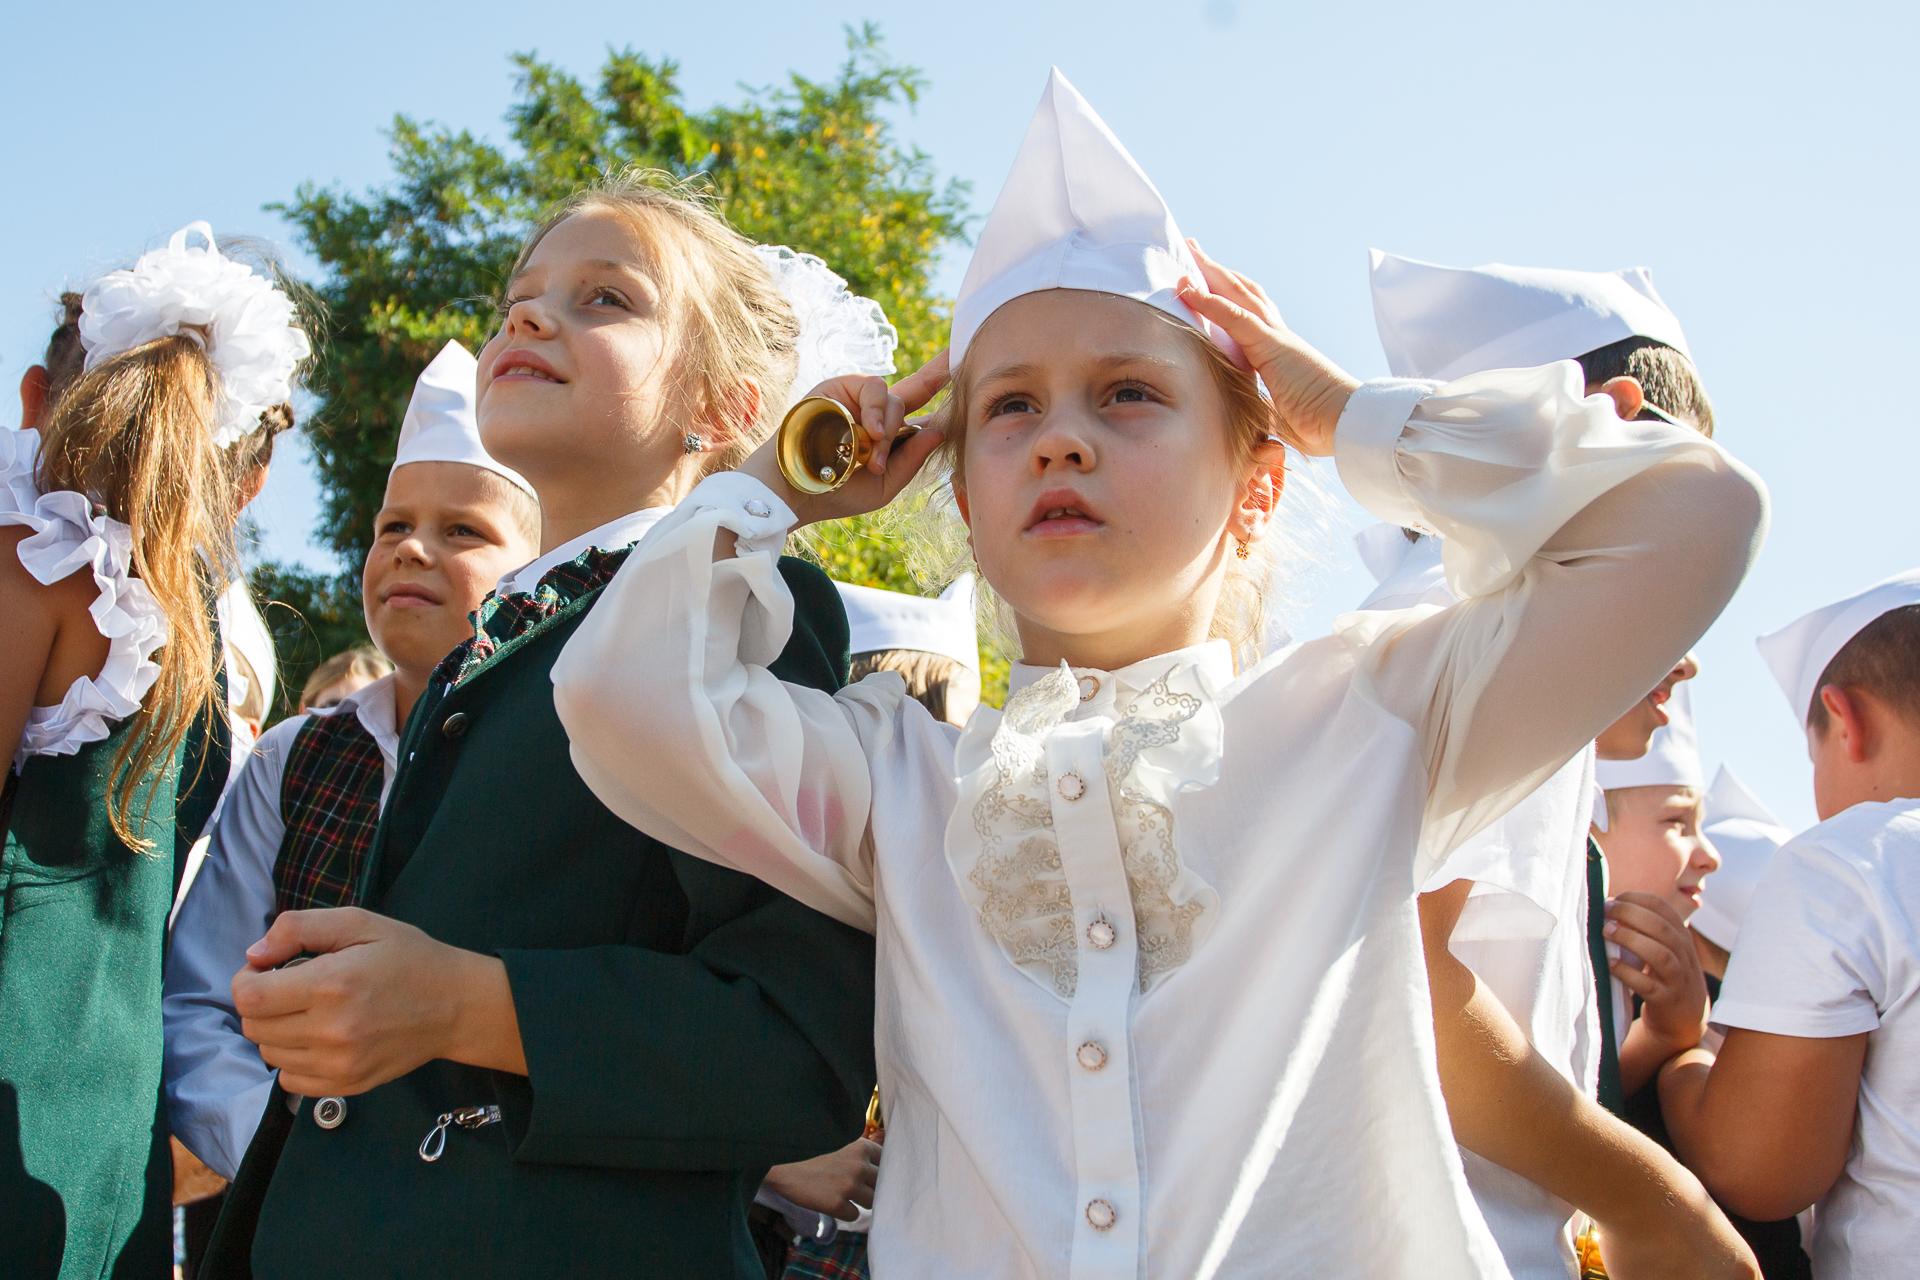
x: 297, y: 827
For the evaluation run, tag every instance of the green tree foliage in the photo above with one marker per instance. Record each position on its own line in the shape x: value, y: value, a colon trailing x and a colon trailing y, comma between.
x: 811, y: 163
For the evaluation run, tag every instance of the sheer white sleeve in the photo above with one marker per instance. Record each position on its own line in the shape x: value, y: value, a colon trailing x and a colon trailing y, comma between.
x: 215, y: 1082
x: 1588, y: 554
x: 679, y: 727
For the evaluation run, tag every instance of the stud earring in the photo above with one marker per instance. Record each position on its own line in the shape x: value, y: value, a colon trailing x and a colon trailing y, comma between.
x: 693, y: 443
x: 1240, y: 551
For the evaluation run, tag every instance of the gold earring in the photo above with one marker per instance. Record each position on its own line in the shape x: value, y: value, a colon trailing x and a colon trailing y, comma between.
x: 1240, y: 551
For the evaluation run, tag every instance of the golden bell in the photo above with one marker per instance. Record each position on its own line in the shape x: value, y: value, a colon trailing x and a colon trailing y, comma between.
x: 820, y: 446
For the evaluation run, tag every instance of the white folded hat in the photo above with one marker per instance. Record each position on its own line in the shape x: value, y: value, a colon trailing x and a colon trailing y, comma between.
x: 1404, y: 573
x: 1076, y: 212
x: 1446, y: 322
x: 440, y: 425
x: 1799, y: 652
x: 944, y: 625
x: 1746, y: 836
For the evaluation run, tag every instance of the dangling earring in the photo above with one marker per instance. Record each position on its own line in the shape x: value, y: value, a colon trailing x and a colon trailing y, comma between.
x: 693, y: 443
x: 1240, y: 551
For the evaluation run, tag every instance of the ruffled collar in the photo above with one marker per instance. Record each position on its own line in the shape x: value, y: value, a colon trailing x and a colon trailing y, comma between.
x: 67, y: 534
x: 1160, y: 732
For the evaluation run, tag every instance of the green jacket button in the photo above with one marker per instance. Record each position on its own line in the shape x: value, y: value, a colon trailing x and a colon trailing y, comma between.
x: 455, y: 725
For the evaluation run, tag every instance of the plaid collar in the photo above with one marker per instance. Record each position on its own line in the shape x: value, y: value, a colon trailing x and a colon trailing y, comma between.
x: 502, y: 620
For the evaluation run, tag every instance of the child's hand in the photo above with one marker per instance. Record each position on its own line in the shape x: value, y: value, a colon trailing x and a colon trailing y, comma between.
x: 1309, y: 391
x: 881, y: 411
x: 1668, y: 977
x: 839, y: 1183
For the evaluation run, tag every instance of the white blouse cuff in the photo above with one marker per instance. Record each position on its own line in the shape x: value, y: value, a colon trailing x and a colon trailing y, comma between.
x: 759, y: 519
x: 1366, y: 444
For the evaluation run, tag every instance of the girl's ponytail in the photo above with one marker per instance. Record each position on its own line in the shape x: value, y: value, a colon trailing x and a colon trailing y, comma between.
x: 134, y: 433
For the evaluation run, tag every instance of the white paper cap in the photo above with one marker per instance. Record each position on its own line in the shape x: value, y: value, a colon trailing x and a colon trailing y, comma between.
x: 1076, y: 212
x: 1446, y: 322
x: 1404, y: 573
x: 1799, y: 652
x: 1672, y: 759
x: 1746, y: 836
x: 440, y: 425
x: 879, y: 619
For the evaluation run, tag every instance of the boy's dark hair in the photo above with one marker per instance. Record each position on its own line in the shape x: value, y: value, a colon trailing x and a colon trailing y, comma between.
x: 1667, y: 379
x: 1884, y: 659
x: 65, y: 357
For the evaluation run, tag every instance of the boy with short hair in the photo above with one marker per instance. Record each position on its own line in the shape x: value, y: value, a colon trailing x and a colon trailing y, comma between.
x: 1813, y: 1096
x: 295, y: 828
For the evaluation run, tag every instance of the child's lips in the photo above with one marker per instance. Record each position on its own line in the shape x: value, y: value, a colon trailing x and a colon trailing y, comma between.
x: 1064, y: 527
x: 410, y: 597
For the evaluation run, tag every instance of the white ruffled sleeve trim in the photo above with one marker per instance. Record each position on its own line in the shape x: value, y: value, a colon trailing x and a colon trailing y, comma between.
x: 65, y: 537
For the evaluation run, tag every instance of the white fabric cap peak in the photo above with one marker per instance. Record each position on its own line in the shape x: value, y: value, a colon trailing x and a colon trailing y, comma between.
x: 1076, y: 212
x: 878, y: 619
x: 1672, y: 759
x: 440, y: 425
x: 1446, y: 322
x: 1746, y: 835
x: 1799, y: 652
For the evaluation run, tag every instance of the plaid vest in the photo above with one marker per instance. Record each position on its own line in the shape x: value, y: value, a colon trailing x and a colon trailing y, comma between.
x: 330, y: 803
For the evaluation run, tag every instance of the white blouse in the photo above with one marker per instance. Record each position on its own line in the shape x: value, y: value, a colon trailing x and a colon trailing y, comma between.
x: 1151, y: 994
x: 65, y: 535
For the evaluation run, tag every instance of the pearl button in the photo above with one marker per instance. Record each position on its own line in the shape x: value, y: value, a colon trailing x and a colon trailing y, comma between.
x: 1092, y: 1055
x: 1089, y: 686
x: 1101, y: 1215
x: 1102, y: 934
x: 758, y: 509
x: 1071, y: 786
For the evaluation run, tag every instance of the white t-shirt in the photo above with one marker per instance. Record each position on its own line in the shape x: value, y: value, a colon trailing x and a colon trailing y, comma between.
x: 1831, y: 947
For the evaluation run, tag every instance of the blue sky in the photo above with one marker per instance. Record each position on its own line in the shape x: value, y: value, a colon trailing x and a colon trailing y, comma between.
x: 1760, y: 158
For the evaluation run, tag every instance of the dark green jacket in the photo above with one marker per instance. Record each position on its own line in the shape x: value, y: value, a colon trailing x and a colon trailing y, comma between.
x: 685, y: 1026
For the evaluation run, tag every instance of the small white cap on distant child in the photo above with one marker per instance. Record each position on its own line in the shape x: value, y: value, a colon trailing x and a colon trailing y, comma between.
x: 880, y: 620
x: 1076, y: 212
x: 1447, y: 322
x: 1405, y: 572
x: 440, y: 425
x: 1799, y: 652
x: 1746, y: 835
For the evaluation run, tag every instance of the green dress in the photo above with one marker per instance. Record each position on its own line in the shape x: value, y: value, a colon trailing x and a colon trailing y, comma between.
x: 85, y: 1175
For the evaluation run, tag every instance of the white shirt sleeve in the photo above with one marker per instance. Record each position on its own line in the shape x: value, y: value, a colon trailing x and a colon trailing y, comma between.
x: 1588, y: 554
x: 215, y: 1082
x: 740, y: 768
x: 1810, y: 960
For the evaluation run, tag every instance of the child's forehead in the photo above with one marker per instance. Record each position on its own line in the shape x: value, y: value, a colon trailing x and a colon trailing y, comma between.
x: 446, y: 485
x: 1077, y: 328
x: 602, y: 236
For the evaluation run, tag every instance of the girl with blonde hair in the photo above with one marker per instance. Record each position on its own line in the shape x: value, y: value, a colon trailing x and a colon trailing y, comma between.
x: 116, y: 533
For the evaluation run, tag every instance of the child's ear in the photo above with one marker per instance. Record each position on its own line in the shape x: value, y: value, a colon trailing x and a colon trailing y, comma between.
x: 1846, y: 716
x: 960, y: 501
x: 736, y: 417
x: 1254, y: 511
x: 35, y: 383
x: 1628, y: 397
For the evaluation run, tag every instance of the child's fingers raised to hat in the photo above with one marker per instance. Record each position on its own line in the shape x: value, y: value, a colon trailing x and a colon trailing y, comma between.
x: 1235, y: 286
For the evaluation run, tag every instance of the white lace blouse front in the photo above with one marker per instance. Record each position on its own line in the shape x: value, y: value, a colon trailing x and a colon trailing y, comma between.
x: 65, y: 535
x: 1151, y: 999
